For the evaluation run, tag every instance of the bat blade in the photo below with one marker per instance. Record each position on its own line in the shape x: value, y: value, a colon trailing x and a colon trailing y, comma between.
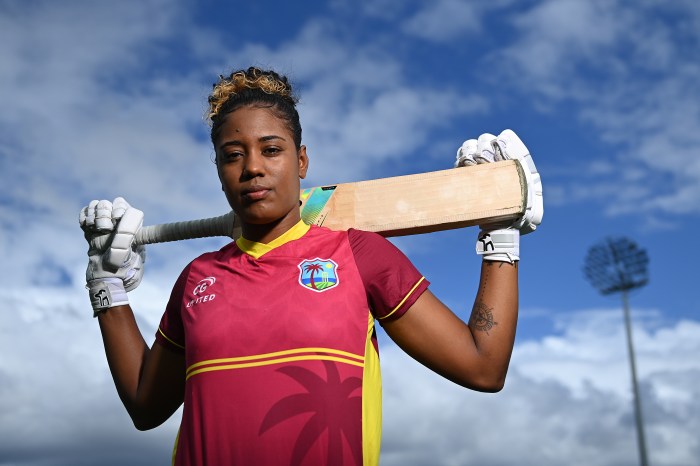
x: 402, y: 205
x: 421, y: 203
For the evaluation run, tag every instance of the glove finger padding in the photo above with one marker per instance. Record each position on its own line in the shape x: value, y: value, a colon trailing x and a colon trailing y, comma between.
x: 513, y: 148
x: 119, y: 207
x: 103, y: 216
x: 96, y: 222
x: 84, y: 216
x: 483, y: 150
x: 96, y: 217
x: 128, y: 224
x: 465, y: 153
x: 486, y: 149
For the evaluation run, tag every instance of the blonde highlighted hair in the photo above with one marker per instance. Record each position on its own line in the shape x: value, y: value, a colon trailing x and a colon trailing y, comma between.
x: 253, y: 87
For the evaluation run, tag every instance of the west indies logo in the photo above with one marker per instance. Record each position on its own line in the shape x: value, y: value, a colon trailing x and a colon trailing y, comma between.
x: 318, y: 274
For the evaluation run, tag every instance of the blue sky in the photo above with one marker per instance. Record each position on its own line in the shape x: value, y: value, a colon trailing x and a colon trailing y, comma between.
x: 106, y: 98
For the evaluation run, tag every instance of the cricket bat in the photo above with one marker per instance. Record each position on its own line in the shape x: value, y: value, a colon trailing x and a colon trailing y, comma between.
x: 396, y: 206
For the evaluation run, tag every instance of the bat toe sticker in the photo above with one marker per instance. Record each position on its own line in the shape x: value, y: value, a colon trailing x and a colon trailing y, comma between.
x: 318, y: 274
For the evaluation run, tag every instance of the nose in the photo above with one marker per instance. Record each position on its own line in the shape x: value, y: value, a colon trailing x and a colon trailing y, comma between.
x: 254, y: 165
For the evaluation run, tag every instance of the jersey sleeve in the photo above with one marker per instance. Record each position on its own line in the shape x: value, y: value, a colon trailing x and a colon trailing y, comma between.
x: 391, y: 281
x: 171, y: 332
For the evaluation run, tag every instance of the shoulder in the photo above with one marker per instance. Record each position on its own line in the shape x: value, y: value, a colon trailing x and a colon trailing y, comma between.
x: 361, y: 237
x: 315, y: 230
x: 203, y: 262
x: 372, y: 246
x: 215, y: 256
x: 360, y: 241
x: 392, y: 283
x: 323, y: 235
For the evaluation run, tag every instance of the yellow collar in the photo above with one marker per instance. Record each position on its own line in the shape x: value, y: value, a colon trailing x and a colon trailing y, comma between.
x: 258, y: 249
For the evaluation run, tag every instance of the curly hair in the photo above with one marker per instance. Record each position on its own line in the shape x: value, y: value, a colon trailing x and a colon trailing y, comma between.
x: 256, y: 87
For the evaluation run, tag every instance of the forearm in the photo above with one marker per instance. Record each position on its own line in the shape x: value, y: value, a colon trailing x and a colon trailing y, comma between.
x: 494, y: 318
x: 126, y: 352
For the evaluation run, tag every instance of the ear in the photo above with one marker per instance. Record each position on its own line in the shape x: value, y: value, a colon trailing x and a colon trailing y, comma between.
x: 303, y: 159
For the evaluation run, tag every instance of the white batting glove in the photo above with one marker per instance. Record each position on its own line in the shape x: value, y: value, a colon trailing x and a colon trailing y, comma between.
x: 118, y: 266
x: 501, y: 245
x: 502, y: 242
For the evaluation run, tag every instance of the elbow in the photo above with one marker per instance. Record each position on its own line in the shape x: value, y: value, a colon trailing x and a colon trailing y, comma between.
x: 489, y: 377
x: 488, y: 386
x: 145, y: 421
x: 144, y: 424
x: 147, y: 416
x: 492, y: 387
x: 486, y: 383
x: 141, y: 422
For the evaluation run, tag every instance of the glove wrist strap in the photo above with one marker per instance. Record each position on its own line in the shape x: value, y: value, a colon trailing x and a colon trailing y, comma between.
x: 106, y: 293
x: 499, y: 245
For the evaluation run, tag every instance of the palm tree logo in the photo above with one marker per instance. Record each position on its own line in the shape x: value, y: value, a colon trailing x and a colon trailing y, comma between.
x: 313, y: 268
x: 334, y: 411
x: 318, y: 274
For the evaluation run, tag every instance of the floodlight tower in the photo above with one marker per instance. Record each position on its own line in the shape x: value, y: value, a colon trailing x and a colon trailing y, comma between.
x: 617, y: 265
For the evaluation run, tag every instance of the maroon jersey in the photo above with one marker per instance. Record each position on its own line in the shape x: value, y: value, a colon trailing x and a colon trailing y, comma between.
x: 281, y: 352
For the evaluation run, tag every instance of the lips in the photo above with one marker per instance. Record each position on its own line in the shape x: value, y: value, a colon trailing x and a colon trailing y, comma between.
x: 255, y: 193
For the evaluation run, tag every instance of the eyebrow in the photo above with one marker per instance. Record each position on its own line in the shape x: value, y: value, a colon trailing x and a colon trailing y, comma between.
x: 236, y: 142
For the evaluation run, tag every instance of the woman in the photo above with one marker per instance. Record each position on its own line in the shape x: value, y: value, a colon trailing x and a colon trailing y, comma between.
x: 270, y: 341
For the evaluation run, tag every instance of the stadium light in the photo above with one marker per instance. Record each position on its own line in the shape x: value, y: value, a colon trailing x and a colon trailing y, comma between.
x: 618, y: 265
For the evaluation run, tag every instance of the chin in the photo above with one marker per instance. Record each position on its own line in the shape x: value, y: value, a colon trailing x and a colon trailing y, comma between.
x: 259, y: 218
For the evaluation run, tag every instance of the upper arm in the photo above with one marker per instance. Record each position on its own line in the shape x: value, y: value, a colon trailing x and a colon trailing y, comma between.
x: 475, y: 355
x: 162, y: 382
x: 433, y: 335
x: 162, y: 386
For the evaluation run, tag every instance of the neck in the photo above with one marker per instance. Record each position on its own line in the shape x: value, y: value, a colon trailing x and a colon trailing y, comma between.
x: 268, y: 232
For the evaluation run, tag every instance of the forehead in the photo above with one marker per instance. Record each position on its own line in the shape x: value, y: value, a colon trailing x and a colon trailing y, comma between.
x: 253, y: 122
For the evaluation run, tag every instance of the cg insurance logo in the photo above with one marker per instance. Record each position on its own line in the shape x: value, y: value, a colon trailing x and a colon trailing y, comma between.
x: 203, y: 285
x: 200, y: 292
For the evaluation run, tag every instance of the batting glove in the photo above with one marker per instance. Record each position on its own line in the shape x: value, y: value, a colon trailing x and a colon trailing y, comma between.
x: 117, y: 267
x: 502, y: 242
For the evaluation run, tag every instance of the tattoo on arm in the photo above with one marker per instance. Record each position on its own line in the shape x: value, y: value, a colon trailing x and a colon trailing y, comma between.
x: 501, y: 264
x: 482, y: 318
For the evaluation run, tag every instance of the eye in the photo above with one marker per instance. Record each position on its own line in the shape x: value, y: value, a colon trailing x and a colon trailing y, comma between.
x: 230, y: 156
x: 271, y: 151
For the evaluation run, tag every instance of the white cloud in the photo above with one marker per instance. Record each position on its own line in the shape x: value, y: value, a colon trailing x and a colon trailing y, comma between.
x: 358, y: 106
x: 58, y: 404
x: 80, y: 123
x: 567, y: 401
x: 383, y: 9
x: 628, y: 70
x: 446, y: 20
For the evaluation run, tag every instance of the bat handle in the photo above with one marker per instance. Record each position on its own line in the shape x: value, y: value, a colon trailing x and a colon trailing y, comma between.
x: 223, y: 225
